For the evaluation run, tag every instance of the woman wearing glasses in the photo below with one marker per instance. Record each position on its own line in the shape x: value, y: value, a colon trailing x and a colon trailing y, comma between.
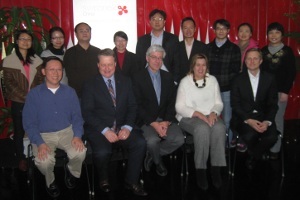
x: 198, y: 106
x: 56, y: 47
x: 21, y: 72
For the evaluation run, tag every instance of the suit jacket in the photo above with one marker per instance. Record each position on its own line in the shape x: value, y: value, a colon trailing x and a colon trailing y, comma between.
x: 185, y: 62
x: 97, y: 106
x: 242, y: 100
x: 170, y: 44
x: 148, y: 108
x: 129, y: 65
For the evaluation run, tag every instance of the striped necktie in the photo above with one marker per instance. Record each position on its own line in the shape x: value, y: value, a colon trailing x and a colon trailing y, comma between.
x: 113, y: 97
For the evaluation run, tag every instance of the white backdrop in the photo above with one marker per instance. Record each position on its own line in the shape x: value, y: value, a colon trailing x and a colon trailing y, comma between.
x: 107, y: 17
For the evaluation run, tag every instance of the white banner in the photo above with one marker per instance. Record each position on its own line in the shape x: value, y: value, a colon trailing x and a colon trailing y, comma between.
x: 107, y: 17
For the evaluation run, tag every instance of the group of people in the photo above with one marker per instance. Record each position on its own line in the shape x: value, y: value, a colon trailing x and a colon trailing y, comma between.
x: 143, y: 102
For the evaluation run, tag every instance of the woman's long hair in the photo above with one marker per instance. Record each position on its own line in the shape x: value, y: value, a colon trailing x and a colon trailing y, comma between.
x: 30, y: 51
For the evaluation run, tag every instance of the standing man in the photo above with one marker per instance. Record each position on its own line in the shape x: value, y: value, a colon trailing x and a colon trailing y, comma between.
x: 224, y: 63
x: 52, y: 119
x: 156, y: 95
x: 158, y: 36
x: 189, y: 46
x: 254, y: 104
x: 109, y: 112
x: 80, y: 61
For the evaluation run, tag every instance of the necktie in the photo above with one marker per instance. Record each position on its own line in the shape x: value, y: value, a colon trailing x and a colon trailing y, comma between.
x: 113, y: 97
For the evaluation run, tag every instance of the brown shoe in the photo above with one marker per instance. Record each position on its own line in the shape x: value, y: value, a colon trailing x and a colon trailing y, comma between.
x: 23, y: 165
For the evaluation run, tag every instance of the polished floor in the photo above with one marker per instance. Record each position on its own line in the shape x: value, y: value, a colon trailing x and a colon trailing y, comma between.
x: 263, y: 183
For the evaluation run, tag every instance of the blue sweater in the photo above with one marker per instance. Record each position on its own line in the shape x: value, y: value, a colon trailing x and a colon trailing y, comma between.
x: 47, y: 112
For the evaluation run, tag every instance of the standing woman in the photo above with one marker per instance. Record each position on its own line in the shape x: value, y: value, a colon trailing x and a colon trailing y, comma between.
x: 126, y: 60
x: 21, y: 72
x: 279, y: 60
x: 198, y: 107
x: 56, y: 48
x: 245, y: 40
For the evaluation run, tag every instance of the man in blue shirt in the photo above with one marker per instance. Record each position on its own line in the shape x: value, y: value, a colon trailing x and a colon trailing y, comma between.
x: 52, y: 119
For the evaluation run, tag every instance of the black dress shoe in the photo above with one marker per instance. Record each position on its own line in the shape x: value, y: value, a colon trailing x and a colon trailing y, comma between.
x: 250, y: 163
x: 216, y: 176
x: 274, y: 156
x: 70, y: 180
x: 136, y: 189
x: 148, y: 162
x: 105, y: 186
x: 202, y: 179
x: 161, y: 169
x: 53, y: 190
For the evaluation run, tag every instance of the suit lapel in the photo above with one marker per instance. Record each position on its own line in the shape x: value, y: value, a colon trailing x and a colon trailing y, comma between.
x: 149, y: 84
x: 248, y: 87
x: 104, y: 89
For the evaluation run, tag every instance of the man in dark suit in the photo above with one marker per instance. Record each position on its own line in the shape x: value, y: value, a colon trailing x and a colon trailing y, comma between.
x: 254, y: 104
x: 109, y: 112
x: 189, y: 46
x: 158, y: 36
x: 126, y: 60
x: 155, y: 94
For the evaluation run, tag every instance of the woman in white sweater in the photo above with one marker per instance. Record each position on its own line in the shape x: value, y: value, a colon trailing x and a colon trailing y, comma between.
x: 198, y: 106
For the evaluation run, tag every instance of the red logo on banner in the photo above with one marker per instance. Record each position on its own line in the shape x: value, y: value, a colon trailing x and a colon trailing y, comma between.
x: 122, y: 10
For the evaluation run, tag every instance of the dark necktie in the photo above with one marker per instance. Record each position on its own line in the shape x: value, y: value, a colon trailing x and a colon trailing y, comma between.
x: 113, y: 97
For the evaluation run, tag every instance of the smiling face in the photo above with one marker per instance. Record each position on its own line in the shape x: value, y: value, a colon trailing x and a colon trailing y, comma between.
x: 200, y: 69
x: 253, y: 60
x: 188, y: 29
x: 155, y: 60
x: 57, y: 39
x: 121, y: 44
x: 244, y: 33
x: 53, y: 73
x: 106, y: 66
x: 24, y: 41
x: 275, y: 37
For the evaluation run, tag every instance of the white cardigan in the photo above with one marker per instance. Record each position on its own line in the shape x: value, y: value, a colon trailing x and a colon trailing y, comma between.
x: 205, y: 100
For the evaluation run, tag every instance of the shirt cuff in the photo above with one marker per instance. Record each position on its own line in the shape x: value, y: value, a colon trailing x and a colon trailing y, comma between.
x: 128, y: 127
x: 104, y: 130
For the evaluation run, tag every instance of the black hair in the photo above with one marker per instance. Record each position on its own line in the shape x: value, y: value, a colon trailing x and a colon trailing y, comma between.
x: 223, y: 22
x: 188, y: 19
x: 275, y: 26
x: 121, y: 34
x: 76, y: 27
x: 30, y: 51
x: 246, y: 24
x: 51, y: 31
x: 50, y: 58
x: 161, y: 12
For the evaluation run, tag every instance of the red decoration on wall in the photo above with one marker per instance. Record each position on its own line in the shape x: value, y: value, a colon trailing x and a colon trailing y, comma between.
x: 122, y: 9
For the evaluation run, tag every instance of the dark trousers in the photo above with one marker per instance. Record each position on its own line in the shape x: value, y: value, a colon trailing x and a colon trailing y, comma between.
x: 16, y: 111
x: 102, y: 151
x: 258, y: 143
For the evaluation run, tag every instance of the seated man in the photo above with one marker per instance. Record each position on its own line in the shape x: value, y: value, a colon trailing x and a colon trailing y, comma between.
x: 254, y: 105
x: 109, y: 112
x: 52, y: 119
x: 156, y: 95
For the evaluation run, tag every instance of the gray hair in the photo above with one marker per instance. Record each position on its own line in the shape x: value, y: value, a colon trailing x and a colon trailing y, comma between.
x: 156, y: 48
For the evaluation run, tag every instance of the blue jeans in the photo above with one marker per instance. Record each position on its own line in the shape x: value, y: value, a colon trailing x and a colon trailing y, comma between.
x: 226, y: 113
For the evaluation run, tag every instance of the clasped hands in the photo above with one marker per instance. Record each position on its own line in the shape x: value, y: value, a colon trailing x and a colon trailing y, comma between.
x: 161, y: 128
x: 257, y: 125
x: 112, y: 137
x: 210, y: 119
x: 44, y: 149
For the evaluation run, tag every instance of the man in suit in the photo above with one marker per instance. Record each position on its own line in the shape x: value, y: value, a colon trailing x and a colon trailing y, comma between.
x: 126, y: 60
x: 155, y: 94
x: 158, y: 36
x: 189, y: 46
x: 254, y: 103
x: 109, y: 112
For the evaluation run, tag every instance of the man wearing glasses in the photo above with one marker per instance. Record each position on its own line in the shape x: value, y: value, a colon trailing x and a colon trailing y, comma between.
x: 155, y: 94
x: 158, y: 36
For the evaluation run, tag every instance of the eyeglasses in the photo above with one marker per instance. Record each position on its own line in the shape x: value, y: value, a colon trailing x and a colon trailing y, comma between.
x: 25, y: 39
x: 54, y: 70
x: 58, y: 38
x: 157, y: 19
x: 156, y: 58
